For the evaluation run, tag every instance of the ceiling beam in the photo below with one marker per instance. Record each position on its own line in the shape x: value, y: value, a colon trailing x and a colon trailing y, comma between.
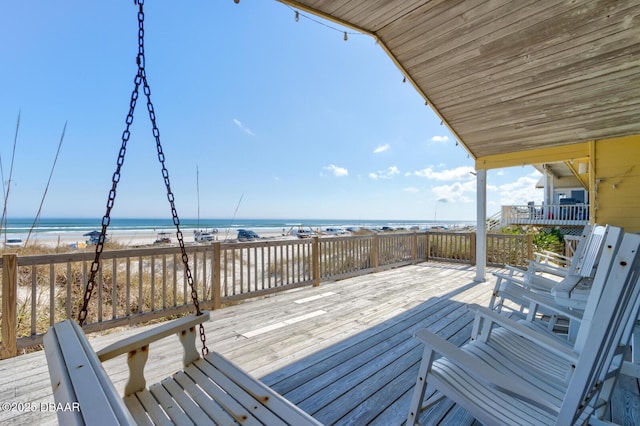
x: 535, y: 156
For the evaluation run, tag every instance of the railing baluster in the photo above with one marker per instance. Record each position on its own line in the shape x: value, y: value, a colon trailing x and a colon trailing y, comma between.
x: 34, y: 305
x: 255, y: 268
x: 127, y: 306
x: 164, y: 280
x: 69, y: 283
x: 52, y: 295
x: 174, y: 280
x: 100, y: 299
x: 269, y: 263
x: 225, y: 281
x: 204, y: 275
x: 114, y: 288
x: 153, y: 283
x: 248, y: 250
x: 140, y: 295
x: 282, y: 272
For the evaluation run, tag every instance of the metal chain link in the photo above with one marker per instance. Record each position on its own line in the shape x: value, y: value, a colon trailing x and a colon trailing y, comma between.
x: 141, y: 78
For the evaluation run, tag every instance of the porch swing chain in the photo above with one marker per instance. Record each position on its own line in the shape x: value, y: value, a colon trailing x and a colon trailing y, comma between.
x: 141, y: 78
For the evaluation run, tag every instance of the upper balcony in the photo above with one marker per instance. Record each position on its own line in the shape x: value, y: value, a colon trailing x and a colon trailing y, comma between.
x: 563, y: 214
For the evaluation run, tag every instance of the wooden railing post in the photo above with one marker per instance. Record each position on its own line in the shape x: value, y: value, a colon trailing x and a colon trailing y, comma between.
x: 9, y: 306
x: 530, y: 246
x: 427, y: 246
x: 414, y: 247
x: 315, y: 254
x: 472, y: 251
x: 217, y: 271
x: 374, y: 251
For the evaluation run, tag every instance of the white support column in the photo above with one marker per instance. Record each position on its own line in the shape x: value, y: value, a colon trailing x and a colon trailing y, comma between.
x: 481, y: 225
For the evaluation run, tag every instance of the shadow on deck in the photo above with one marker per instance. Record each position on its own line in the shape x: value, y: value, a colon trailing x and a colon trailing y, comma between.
x: 369, y: 378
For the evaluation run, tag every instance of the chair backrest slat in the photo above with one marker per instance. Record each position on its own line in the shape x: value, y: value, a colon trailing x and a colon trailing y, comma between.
x: 610, y: 248
x: 582, y: 245
x: 588, y: 259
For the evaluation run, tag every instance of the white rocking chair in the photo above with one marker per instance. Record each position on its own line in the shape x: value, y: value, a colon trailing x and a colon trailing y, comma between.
x: 568, y: 388
x: 517, y: 285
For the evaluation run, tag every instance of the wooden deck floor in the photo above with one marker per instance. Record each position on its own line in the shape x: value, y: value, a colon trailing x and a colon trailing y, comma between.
x: 344, y: 351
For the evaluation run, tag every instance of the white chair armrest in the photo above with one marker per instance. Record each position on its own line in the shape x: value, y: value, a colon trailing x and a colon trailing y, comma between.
x: 539, y: 282
x: 551, y: 305
x: 547, y: 342
x: 509, y: 278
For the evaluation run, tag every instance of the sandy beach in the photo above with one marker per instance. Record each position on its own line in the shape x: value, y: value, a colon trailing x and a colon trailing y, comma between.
x: 136, y: 238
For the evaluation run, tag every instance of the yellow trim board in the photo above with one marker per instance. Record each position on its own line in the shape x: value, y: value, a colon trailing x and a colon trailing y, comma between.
x: 534, y: 156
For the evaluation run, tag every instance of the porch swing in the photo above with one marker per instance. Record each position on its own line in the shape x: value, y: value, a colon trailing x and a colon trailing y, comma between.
x: 208, y: 390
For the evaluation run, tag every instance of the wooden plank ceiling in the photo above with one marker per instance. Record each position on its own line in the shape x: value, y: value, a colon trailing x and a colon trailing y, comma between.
x: 509, y: 76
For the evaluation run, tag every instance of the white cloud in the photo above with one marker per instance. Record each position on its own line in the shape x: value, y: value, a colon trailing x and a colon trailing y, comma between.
x: 456, y: 192
x: 440, y: 139
x: 458, y: 174
x: 411, y: 189
x: 243, y: 127
x: 520, y: 192
x: 385, y: 174
x: 337, y: 171
x: 463, y: 189
x: 381, y: 148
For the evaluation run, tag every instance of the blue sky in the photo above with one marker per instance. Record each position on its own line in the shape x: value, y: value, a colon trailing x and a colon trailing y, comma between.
x: 285, y: 114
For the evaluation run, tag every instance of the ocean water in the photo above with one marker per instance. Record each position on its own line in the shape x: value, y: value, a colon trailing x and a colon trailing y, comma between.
x: 19, y: 228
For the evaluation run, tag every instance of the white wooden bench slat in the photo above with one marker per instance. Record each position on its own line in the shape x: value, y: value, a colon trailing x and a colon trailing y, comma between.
x: 195, y: 413
x: 220, y: 395
x: 290, y: 413
x: 137, y: 410
x: 150, y: 405
x: 83, y: 377
x: 228, y: 377
x: 60, y: 380
x: 209, y: 405
x: 173, y: 410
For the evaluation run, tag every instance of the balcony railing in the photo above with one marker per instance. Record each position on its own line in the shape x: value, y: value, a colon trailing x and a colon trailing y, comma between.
x: 550, y: 214
x: 142, y: 284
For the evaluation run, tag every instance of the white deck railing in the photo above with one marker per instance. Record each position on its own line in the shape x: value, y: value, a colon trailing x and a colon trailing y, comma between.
x: 551, y: 214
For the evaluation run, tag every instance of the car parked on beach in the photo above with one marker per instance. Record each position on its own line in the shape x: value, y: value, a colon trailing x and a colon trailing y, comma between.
x: 303, y: 233
x: 14, y: 242
x: 335, y: 231
x: 247, y: 235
